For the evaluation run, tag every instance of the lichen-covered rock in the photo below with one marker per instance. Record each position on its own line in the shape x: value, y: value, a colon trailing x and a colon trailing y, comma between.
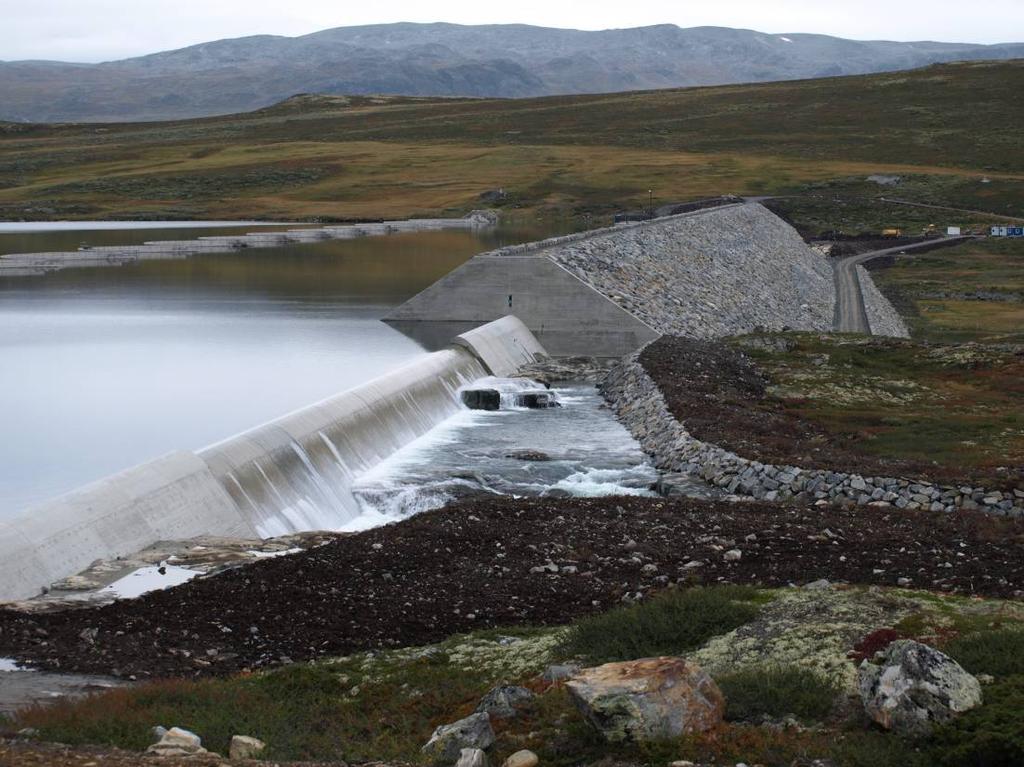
x: 915, y: 686
x: 505, y: 702
x: 648, y: 700
x: 245, y: 747
x: 472, y: 757
x: 446, y: 744
x: 177, y: 742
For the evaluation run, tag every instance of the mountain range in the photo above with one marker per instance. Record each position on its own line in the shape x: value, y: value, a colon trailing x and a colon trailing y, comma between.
x: 449, y: 60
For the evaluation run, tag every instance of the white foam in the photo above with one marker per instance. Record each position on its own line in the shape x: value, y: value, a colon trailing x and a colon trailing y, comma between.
x: 785, y: 39
x: 9, y: 664
x: 270, y: 554
x: 597, y: 483
x: 147, y: 579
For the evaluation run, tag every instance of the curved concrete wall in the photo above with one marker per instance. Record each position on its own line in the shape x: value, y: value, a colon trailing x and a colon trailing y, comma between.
x: 292, y: 474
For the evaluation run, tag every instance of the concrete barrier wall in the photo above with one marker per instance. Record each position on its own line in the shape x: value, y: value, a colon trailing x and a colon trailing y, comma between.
x: 174, y: 497
x: 289, y: 475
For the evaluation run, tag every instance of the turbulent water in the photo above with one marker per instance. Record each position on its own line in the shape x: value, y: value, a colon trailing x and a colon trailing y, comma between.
x: 589, y: 454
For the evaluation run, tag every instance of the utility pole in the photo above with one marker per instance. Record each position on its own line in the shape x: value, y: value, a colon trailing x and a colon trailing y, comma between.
x: 650, y: 207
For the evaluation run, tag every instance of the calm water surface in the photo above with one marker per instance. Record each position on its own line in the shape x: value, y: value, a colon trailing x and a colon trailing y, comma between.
x: 102, y: 369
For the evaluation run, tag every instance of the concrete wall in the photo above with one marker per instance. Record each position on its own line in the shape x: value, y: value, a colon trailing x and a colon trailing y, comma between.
x: 173, y: 497
x: 289, y: 475
x: 567, y: 316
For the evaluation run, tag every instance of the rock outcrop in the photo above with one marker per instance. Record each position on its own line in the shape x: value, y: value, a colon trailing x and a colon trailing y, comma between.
x: 647, y: 700
x: 448, y: 741
x: 914, y: 687
x: 177, y: 742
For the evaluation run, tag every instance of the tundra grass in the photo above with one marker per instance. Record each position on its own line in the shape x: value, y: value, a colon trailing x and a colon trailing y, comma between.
x: 336, y: 158
x: 970, y: 292
x: 953, y: 406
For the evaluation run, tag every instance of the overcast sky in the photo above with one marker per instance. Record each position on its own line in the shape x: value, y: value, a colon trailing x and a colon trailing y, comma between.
x: 99, y: 30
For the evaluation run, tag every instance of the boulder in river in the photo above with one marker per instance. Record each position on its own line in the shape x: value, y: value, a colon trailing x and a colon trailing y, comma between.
x: 914, y: 687
x: 537, y: 400
x: 446, y: 744
x: 648, y: 700
x: 481, y: 399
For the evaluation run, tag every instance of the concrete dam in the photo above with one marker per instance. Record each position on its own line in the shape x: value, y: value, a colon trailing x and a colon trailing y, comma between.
x: 707, y: 274
x: 290, y: 475
x: 605, y: 294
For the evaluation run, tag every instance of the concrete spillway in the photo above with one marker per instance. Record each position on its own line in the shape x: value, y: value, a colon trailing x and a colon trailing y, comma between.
x: 290, y: 475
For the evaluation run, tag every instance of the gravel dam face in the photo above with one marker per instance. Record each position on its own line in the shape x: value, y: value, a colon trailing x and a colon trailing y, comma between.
x: 706, y: 274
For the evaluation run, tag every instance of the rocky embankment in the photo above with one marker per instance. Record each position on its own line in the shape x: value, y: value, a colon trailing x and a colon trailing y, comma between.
x: 883, y: 319
x: 709, y: 274
x: 642, y: 408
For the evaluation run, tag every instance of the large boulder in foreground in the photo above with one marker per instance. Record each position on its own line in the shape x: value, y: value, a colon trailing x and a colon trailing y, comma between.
x: 914, y: 687
x: 648, y: 700
x: 448, y: 740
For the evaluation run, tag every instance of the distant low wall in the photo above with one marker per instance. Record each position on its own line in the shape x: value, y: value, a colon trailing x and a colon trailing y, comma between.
x: 289, y: 475
x: 33, y: 264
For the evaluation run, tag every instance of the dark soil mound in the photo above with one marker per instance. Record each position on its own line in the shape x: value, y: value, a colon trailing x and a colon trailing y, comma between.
x: 470, y: 566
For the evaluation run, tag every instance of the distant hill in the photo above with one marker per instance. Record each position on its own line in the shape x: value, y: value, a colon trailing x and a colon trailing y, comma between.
x: 248, y: 73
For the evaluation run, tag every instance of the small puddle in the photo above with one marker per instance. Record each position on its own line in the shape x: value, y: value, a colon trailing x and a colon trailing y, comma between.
x: 22, y: 687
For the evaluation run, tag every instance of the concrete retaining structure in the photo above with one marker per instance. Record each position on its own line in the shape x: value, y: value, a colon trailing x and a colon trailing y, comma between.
x: 707, y: 274
x: 640, y: 406
x: 292, y: 474
x: 34, y: 264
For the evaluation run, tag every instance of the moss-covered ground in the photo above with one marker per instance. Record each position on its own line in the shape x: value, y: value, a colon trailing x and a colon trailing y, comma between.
x: 383, y: 706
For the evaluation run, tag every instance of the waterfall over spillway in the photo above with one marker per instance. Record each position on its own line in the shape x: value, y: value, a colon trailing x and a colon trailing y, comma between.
x: 296, y: 473
x: 290, y: 475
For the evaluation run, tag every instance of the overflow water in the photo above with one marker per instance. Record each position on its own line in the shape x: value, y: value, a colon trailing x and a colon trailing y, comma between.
x: 578, y: 449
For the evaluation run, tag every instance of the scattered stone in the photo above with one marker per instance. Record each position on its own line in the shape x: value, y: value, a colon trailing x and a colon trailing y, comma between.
x: 821, y: 585
x: 648, y: 700
x: 177, y: 742
x: 446, y: 744
x: 505, y: 702
x: 522, y: 758
x: 472, y: 757
x: 735, y: 555
x: 245, y: 747
x: 535, y: 456
x: 914, y: 687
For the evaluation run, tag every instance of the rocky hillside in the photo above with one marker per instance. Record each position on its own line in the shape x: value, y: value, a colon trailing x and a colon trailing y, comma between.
x: 442, y: 60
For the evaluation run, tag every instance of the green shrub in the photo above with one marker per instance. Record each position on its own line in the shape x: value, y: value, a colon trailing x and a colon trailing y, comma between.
x: 777, y: 691
x: 672, y: 623
x: 990, y: 736
x: 877, y: 749
x: 999, y: 653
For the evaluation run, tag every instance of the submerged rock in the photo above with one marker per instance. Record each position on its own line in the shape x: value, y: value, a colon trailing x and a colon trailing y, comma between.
x: 481, y: 399
x: 915, y: 686
x: 446, y: 744
x: 648, y: 700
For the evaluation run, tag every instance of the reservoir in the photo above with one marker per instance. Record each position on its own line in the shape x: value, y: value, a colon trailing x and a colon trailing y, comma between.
x: 103, y: 369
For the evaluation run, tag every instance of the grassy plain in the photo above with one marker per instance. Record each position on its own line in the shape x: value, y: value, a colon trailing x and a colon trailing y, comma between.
x: 338, y: 158
x: 954, y: 406
x: 971, y: 292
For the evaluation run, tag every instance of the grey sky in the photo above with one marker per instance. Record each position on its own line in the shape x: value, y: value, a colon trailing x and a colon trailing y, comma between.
x: 97, y: 30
